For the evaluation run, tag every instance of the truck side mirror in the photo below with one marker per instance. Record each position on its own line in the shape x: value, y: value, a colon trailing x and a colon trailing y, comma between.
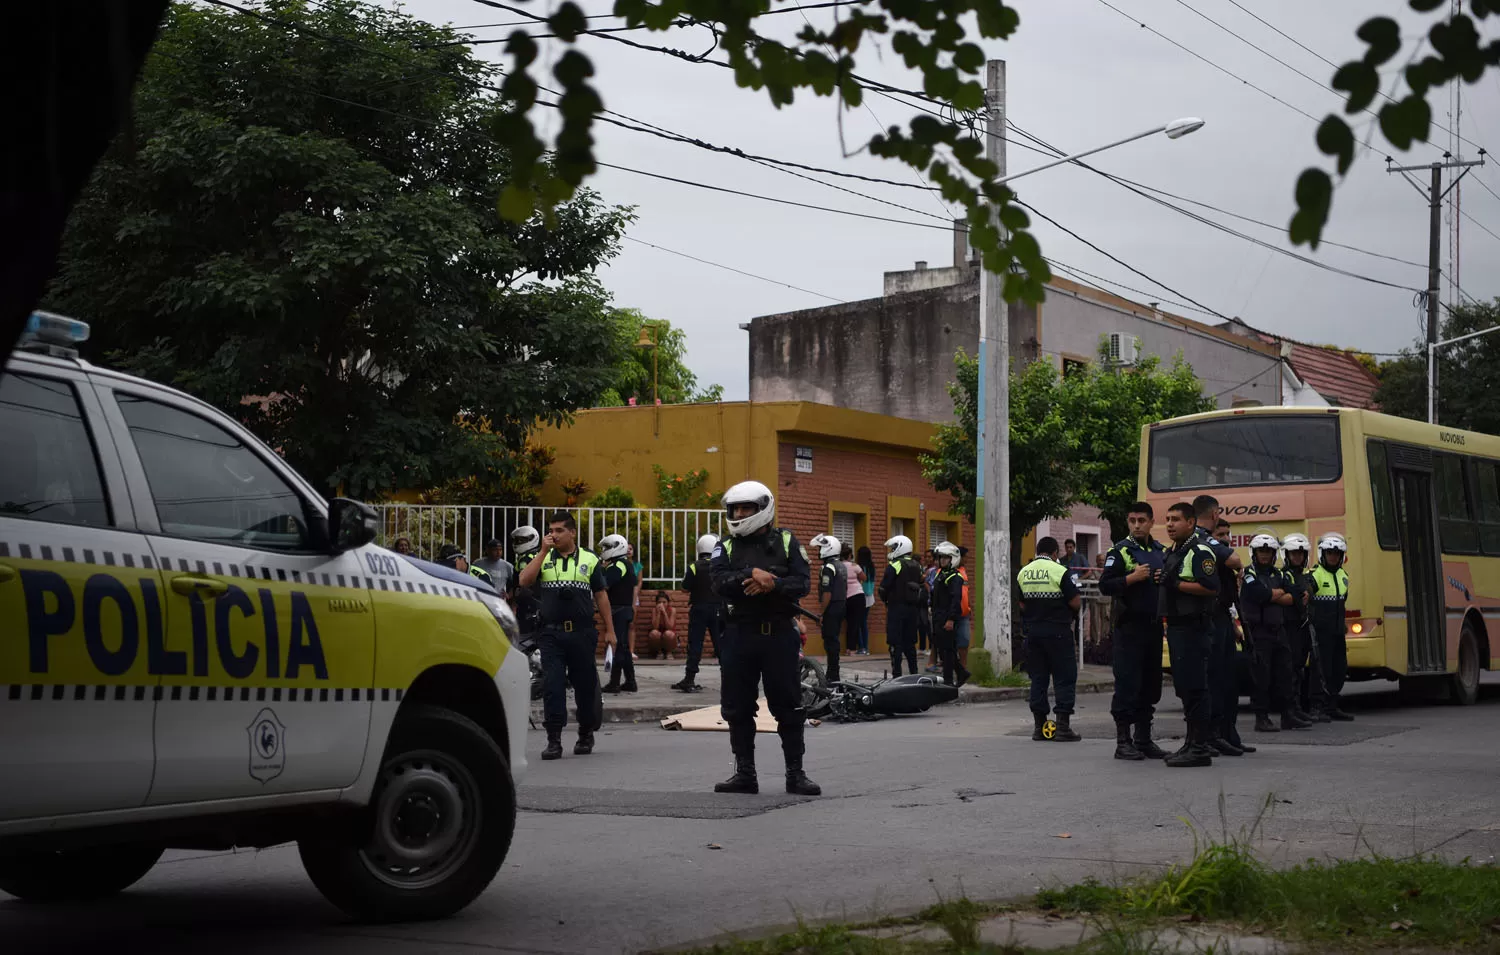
x: 351, y: 524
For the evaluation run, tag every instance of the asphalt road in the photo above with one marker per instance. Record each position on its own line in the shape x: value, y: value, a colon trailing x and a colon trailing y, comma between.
x: 629, y: 849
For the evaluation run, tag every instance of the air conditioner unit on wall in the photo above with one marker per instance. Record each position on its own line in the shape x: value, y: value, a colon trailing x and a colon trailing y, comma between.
x: 1124, y: 349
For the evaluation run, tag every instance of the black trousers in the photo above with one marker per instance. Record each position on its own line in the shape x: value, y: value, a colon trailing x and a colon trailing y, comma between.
x: 901, y: 635
x: 1050, y: 659
x: 568, y: 658
x: 756, y: 652
x: 833, y: 623
x: 856, y: 617
x: 1223, y: 676
x: 945, y: 646
x: 1307, y: 669
x: 1188, y: 643
x: 1137, y: 666
x: 1271, y: 659
x: 1333, y: 660
x: 703, y: 619
x: 624, y: 665
x: 924, y: 627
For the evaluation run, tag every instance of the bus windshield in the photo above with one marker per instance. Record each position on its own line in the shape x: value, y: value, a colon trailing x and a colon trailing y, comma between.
x: 1245, y: 450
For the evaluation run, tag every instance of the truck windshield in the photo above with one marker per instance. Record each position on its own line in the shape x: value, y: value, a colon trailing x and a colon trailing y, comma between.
x: 1245, y: 450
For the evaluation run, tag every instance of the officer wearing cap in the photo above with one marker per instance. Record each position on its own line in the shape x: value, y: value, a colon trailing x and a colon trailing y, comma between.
x: 502, y: 573
x: 451, y: 556
x: 571, y: 587
x: 1129, y: 571
x: 761, y: 572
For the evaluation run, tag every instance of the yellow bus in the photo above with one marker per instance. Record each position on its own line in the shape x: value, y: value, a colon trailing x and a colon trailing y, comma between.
x: 1419, y: 505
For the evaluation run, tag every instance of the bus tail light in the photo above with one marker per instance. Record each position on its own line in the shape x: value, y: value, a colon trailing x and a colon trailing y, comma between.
x: 1357, y: 627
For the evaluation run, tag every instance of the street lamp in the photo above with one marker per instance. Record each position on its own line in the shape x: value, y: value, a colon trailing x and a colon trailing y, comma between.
x: 651, y: 338
x: 993, y: 451
x: 1432, y: 347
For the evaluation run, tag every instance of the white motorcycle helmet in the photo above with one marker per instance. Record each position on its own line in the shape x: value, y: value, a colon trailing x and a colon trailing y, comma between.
x: 613, y: 546
x: 948, y: 555
x: 1295, y: 542
x: 1332, y: 542
x: 524, y: 540
x: 706, y: 545
x: 1264, y: 542
x: 826, y: 545
x: 898, y: 546
x: 756, y: 495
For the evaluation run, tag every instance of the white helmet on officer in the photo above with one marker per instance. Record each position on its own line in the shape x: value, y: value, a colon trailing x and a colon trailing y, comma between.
x: 706, y: 545
x: 1295, y: 542
x: 525, y: 539
x: 827, y: 546
x: 613, y: 546
x: 752, y: 494
x: 1332, y: 542
x: 1262, y: 542
x: 948, y: 555
x: 898, y: 546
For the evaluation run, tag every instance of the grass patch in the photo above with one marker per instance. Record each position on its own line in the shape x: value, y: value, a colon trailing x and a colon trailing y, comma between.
x: 1004, y: 678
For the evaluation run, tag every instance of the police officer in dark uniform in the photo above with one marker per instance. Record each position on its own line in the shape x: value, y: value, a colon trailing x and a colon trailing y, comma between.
x: 901, y: 589
x: 620, y: 581
x: 524, y: 544
x: 571, y: 587
x: 1307, y: 676
x: 452, y: 557
x: 833, y: 590
x: 1189, y: 587
x: 948, y: 612
x: 1267, y: 601
x: 1223, y: 684
x: 1049, y: 601
x: 1129, y: 577
x: 705, y: 612
x: 761, y: 572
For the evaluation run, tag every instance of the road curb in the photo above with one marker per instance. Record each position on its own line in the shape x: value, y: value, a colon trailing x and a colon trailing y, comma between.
x: 999, y: 694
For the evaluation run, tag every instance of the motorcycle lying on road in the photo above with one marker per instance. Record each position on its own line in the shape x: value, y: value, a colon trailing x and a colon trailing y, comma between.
x: 850, y: 701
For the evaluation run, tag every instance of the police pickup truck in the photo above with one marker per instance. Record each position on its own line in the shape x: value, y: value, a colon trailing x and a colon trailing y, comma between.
x: 197, y: 651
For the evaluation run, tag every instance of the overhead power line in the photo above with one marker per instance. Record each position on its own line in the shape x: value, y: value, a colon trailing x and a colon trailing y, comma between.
x: 730, y: 268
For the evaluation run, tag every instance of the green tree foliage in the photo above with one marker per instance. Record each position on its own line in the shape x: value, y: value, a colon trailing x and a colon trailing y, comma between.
x: 1457, y: 52
x: 309, y: 222
x: 1468, y: 374
x: 674, y: 381
x: 1106, y: 408
x: 1073, y: 439
x: 1041, y: 478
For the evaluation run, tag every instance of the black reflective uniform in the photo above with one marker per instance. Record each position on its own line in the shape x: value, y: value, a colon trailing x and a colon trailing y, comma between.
x: 1137, y: 630
x: 901, y: 589
x: 1190, y: 622
x: 1270, y: 645
x: 568, y: 639
x: 1307, y: 675
x: 528, y: 607
x: 1223, y: 669
x: 620, y: 580
x: 947, y: 607
x: 833, y: 581
x: 760, y: 642
x: 705, y: 614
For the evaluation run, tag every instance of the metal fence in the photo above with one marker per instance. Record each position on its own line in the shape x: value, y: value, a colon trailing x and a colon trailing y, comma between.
x: 663, y: 538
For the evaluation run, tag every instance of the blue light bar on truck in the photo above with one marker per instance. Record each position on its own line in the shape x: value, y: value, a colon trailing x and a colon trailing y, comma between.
x: 53, y: 334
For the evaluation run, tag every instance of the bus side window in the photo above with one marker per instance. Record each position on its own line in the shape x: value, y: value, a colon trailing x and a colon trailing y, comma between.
x: 1460, y: 535
x: 1487, y: 493
x: 1384, y: 501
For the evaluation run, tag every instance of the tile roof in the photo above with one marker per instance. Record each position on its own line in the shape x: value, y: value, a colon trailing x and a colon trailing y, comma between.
x: 1336, y: 375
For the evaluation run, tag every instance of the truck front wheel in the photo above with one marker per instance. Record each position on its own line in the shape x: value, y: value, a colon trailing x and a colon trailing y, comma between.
x: 437, y: 829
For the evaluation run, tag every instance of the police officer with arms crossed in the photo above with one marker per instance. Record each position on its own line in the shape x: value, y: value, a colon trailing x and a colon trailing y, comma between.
x: 705, y: 612
x: 761, y: 572
x: 833, y: 588
x: 1307, y: 678
x: 1189, y: 589
x: 1330, y: 596
x: 901, y: 589
x: 620, y: 581
x: 571, y: 587
x: 1267, y: 601
x: 1223, y: 683
x: 1049, y: 599
x: 1129, y: 577
x: 947, y: 612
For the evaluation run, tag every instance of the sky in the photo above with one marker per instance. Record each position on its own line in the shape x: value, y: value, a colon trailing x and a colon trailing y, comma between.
x: 1079, y: 75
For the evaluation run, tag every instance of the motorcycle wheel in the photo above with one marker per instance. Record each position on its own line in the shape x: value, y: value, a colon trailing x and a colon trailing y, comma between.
x: 814, y: 683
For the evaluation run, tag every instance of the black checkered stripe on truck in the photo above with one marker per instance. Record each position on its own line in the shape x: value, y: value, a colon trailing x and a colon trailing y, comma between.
x: 120, y: 692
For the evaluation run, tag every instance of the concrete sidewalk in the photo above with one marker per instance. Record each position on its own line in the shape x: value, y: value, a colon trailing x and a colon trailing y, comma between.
x: 656, y: 700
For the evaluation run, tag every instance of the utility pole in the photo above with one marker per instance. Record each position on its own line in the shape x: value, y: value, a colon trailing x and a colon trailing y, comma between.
x: 992, y: 460
x: 1434, y: 196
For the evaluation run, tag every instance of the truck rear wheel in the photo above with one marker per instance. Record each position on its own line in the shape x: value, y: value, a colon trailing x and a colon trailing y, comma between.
x: 75, y: 875
x: 437, y: 829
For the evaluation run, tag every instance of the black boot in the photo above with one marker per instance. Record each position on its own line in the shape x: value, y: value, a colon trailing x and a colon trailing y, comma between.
x: 1124, y: 748
x: 1289, y: 721
x: 1036, y: 734
x: 613, y: 686
x: 1216, y: 742
x: 743, y: 780
x: 1263, y: 724
x: 1065, y: 732
x: 629, y: 687
x: 585, y: 744
x: 1144, y: 744
x: 1195, y: 750
x: 792, y: 748
x: 963, y: 676
x: 1338, y: 715
x: 1321, y: 716
x: 554, y: 745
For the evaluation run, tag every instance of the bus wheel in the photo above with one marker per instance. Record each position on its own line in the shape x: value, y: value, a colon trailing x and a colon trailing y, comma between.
x: 1465, y: 681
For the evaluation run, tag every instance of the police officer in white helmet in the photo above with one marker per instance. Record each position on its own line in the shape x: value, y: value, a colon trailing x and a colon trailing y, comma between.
x: 705, y: 612
x: 1267, y: 600
x: 761, y: 571
x: 901, y: 589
